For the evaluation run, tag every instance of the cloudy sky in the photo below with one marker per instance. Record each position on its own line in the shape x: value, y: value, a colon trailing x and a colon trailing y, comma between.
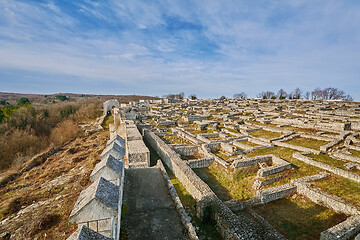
x: 206, y: 47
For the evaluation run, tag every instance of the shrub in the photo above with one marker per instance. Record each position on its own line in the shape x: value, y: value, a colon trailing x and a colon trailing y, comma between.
x: 64, y: 132
x: 61, y: 97
x: 23, y: 101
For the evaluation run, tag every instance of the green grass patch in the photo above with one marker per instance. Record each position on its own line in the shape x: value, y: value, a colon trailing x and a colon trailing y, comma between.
x: 228, y: 185
x: 265, y: 134
x: 324, y: 158
x: 307, y: 142
x: 109, y: 119
x: 355, y: 153
x: 341, y: 187
x: 299, y: 218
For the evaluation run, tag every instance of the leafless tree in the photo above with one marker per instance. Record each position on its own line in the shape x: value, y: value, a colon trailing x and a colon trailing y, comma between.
x: 266, y: 95
x: 281, y: 94
x: 241, y: 95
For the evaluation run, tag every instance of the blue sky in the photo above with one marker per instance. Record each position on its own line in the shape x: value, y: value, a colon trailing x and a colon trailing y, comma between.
x: 206, y: 47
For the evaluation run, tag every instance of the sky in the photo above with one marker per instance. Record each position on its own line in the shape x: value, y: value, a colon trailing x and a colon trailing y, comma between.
x: 205, y: 47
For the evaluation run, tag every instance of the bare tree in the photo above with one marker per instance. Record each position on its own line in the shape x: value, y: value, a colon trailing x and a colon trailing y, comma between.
x: 297, y: 93
x: 266, y: 95
x: 307, y: 95
x: 281, y: 94
x: 241, y: 95
x: 330, y: 93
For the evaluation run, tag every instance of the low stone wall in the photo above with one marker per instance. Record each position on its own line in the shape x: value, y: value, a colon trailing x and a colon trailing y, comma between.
x: 275, y: 193
x: 245, y: 162
x: 343, y: 156
x: 335, y: 170
x: 273, y: 169
x: 200, y: 163
x: 344, y: 230
x: 326, y: 147
x: 259, y: 142
x: 185, y: 219
x: 243, y: 146
x: 227, y: 148
x: 209, y: 154
x: 186, y: 150
x: 186, y: 136
x: 299, y: 148
x: 320, y: 138
x: 325, y: 199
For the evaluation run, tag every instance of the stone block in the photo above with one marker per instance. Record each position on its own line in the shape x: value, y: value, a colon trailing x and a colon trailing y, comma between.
x: 108, y: 168
x: 138, y: 154
x: 115, y: 150
x: 98, y: 201
x: 85, y: 233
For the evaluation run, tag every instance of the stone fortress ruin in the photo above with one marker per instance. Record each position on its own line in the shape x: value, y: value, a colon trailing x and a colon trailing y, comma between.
x: 255, y: 169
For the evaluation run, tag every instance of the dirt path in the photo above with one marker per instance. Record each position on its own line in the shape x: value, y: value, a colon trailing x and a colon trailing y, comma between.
x: 150, y: 211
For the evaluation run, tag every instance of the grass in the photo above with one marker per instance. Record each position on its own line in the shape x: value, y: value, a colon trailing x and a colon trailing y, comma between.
x: 324, y: 158
x: 232, y: 130
x: 299, y: 218
x: 223, y: 156
x: 299, y: 168
x: 228, y: 185
x: 109, y: 119
x: 307, y: 142
x: 265, y: 134
x: 58, y: 197
x: 355, y: 153
x: 341, y: 187
x: 305, y: 130
x: 174, y: 139
x: 250, y: 144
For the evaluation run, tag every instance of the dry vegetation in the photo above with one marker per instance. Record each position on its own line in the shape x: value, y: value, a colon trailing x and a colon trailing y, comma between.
x: 37, y: 203
x: 29, y: 129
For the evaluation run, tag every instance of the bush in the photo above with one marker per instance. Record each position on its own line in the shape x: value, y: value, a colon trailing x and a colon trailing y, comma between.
x: 61, y: 97
x: 64, y: 132
x: 23, y: 101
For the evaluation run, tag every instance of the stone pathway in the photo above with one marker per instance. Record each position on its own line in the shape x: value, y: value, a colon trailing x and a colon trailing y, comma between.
x: 151, y: 213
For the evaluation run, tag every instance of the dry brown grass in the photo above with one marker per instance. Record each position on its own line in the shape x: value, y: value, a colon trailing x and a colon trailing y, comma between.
x: 64, y: 132
x: 37, y: 203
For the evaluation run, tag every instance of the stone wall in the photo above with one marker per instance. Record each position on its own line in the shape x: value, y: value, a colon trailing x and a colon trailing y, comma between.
x: 109, y: 104
x: 343, y: 230
x: 325, y: 199
x: 245, y: 162
x: 275, y: 193
x: 346, y: 157
x: 187, y: 136
x: 200, y: 163
x: 299, y: 148
x: 186, y: 150
x: 335, y: 170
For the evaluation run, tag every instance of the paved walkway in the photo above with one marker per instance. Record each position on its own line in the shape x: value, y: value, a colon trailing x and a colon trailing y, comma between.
x: 151, y: 213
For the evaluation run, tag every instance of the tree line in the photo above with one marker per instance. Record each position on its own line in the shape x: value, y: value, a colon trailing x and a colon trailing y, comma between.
x: 329, y: 93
